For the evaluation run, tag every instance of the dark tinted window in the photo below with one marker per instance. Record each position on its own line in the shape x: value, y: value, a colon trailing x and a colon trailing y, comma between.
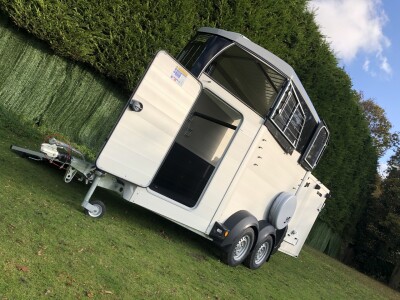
x: 293, y: 120
x: 309, y: 126
x: 316, y: 147
x: 248, y: 78
x: 289, y: 117
x: 193, y: 50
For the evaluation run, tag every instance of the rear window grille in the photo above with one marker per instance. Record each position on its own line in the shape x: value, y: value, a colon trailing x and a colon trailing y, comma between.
x: 290, y: 118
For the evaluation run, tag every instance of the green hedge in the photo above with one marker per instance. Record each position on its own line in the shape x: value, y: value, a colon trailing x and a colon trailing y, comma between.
x: 118, y: 38
x: 54, y: 94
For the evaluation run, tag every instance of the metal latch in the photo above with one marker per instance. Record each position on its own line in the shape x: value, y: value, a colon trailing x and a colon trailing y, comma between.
x: 135, y: 105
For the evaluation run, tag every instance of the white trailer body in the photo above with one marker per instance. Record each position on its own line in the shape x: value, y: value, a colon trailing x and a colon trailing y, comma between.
x: 222, y: 142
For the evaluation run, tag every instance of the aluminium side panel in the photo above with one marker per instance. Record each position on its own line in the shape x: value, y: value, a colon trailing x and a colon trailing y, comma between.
x: 198, y: 218
x: 266, y: 171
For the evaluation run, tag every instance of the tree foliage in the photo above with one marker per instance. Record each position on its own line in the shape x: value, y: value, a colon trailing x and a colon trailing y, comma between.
x: 378, y: 124
x: 379, y: 243
x: 118, y: 38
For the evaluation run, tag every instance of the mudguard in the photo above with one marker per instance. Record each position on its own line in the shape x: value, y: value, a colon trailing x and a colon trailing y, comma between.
x: 236, y: 223
x: 266, y: 229
x: 280, y: 235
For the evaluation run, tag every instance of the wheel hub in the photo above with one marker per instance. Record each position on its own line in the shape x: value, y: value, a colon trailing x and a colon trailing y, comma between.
x: 261, y: 253
x: 96, y: 212
x: 241, y: 247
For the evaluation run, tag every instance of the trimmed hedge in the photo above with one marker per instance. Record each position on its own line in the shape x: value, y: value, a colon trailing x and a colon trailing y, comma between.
x: 54, y: 94
x: 117, y: 37
x: 120, y: 37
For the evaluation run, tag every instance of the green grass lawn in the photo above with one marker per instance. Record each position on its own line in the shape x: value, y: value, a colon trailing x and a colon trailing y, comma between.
x: 50, y: 249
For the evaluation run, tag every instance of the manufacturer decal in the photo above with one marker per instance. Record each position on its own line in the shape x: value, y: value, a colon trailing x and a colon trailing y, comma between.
x: 179, y: 75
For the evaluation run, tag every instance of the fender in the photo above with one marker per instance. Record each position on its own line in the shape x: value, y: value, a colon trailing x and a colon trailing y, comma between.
x: 265, y: 230
x: 280, y: 235
x: 235, y: 224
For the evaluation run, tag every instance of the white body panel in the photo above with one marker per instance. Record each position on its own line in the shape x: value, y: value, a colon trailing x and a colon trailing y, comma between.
x: 310, y: 201
x: 266, y: 172
x: 198, y: 218
x: 141, y: 140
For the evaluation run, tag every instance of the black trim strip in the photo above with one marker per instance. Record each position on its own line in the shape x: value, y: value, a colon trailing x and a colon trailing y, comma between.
x: 211, y: 119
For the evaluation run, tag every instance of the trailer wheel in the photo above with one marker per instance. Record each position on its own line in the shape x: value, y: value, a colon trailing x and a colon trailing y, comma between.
x: 260, y: 253
x: 99, y: 211
x: 236, y: 253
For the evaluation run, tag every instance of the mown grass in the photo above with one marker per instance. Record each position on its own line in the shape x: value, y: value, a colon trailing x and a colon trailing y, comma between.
x: 49, y: 248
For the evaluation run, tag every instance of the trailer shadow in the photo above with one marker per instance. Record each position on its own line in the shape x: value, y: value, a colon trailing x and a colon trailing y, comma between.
x: 72, y: 194
x: 138, y: 216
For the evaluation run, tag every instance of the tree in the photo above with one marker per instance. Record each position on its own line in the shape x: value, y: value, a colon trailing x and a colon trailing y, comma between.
x: 394, y: 162
x: 379, y: 253
x: 379, y: 125
x: 391, y: 196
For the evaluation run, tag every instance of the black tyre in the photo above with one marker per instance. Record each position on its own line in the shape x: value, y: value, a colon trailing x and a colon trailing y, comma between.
x: 260, y: 253
x: 99, y: 211
x: 236, y: 253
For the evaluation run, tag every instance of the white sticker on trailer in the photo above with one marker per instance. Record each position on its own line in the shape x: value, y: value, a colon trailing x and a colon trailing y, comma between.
x: 179, y: 75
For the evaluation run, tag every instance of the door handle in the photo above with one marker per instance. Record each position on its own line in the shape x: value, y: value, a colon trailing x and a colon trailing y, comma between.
x: 135, y: 105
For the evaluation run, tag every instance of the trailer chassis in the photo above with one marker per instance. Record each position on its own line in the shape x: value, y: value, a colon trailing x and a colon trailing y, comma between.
x: 86, y: 172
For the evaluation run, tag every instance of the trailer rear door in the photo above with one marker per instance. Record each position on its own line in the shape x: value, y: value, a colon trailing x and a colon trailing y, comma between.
x: 310, y: 201
x: 152, y: 119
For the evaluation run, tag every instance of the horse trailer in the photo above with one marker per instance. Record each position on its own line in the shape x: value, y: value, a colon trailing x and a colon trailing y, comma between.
x: 222, y: 141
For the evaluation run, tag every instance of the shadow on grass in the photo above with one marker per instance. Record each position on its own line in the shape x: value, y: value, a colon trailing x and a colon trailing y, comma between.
x: 129, y: 213
x: 139, y: 216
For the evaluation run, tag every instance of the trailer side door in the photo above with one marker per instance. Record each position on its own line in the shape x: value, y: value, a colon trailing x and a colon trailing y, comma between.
x: 310, y: 201
x: 150, y: 122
